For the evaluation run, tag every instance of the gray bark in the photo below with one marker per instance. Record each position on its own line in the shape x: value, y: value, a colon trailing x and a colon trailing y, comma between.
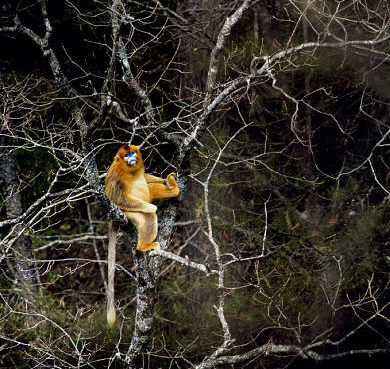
x: 20, y: 244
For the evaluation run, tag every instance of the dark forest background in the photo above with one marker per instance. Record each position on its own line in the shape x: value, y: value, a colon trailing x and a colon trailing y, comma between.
x: 275, y: 116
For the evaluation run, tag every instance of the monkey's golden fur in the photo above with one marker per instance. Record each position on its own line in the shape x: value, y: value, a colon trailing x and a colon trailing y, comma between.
x: 133, y: 190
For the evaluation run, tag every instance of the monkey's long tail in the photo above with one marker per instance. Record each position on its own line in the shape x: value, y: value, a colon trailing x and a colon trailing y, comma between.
x: 111, y: 314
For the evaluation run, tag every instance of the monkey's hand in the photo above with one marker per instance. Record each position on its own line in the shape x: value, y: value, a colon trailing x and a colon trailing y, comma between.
x: 149, y: 208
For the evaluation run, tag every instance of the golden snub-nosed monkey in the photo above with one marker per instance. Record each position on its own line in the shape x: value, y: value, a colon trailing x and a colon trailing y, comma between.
x: 132, y: 190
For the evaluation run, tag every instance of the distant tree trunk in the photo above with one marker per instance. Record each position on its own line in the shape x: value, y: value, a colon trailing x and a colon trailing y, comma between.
x: 206, y: 17
x: 307, y: 84
x: 20, y: 243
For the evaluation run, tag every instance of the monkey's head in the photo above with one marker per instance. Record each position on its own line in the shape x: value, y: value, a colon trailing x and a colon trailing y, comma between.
x: 130, y: 155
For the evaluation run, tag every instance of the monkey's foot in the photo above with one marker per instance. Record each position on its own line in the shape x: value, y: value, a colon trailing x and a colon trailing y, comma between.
x: 152, y: 246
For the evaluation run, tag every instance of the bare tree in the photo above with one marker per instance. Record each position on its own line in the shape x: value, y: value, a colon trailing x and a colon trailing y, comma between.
x: 222, y: 136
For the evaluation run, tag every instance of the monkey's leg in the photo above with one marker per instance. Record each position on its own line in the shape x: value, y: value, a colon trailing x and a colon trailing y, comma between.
x: 147, y: 233
x: 153, y: 179
x: 146, y: 224
x: 163, y: 190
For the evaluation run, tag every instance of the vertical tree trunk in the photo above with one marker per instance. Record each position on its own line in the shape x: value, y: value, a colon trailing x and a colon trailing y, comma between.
x: 307, y: 84
x: 25, y: 280
x: 148, y: 269
x: 20, y: 242
x: 143, y: 324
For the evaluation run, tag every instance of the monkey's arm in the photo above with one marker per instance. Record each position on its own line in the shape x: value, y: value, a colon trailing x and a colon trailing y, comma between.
x: 134, y: 204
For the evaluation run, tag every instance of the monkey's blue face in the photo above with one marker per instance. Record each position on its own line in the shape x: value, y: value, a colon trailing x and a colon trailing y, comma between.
x: 131, y: 158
